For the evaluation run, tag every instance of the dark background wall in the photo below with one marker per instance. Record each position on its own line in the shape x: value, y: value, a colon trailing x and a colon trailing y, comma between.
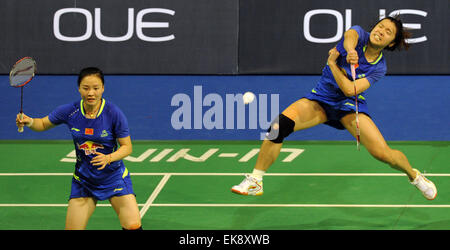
x: 174, y: 66
x: 211, y: 36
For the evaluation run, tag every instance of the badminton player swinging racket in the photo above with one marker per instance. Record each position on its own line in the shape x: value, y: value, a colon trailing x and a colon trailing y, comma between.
x: 332, y: 101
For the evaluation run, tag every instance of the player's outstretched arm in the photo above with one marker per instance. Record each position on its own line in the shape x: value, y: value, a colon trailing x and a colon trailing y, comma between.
x: 35, y: 124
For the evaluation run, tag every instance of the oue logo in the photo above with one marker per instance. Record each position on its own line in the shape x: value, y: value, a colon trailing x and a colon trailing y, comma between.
x: 344, y: 22
x: 95, y: 23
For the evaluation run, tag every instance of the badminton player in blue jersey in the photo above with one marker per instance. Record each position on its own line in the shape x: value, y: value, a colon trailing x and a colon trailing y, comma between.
x: 332, y: 102
x: 96, y: 125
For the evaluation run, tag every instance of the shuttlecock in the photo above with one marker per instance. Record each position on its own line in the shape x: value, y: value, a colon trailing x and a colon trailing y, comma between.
x: 248, y: 97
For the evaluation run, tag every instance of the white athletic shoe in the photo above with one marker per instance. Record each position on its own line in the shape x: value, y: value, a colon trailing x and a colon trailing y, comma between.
x: 249, y: 186
x: 427, y: 187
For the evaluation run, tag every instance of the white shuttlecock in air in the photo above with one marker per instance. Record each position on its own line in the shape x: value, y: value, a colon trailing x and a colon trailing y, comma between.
x: 248, y: 97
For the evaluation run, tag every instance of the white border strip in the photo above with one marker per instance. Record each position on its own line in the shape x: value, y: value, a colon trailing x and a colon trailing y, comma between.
x: 166, y: 177
x: 247, y: 205
x: 51, y: 205
x: 300, y: 205
x: 229, y: 174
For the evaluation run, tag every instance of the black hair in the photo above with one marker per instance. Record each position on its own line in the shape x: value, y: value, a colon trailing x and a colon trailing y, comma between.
x: 400, y: 36
x: 90, y: 71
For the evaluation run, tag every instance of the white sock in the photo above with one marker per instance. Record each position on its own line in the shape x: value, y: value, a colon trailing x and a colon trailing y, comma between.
x: 258, y: 174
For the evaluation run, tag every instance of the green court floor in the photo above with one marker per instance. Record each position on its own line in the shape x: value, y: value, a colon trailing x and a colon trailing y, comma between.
x: 313, y: 185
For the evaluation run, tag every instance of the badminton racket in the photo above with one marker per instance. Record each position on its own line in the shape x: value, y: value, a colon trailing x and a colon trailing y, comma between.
x: 21, y: 74
x: 358, y: 133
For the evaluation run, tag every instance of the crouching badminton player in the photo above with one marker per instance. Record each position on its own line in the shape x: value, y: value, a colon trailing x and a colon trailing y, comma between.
x: 96, y: 126
x: 333, y: 102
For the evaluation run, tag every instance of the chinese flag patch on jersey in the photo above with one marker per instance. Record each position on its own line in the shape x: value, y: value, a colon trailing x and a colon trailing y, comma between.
x: 88, y: 131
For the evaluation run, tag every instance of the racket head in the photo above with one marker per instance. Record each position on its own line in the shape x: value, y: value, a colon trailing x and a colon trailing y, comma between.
x: 22, y: 72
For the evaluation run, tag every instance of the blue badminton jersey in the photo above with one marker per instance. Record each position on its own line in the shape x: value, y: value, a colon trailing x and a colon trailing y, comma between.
x: 91, y: 136
x: 328, y: 91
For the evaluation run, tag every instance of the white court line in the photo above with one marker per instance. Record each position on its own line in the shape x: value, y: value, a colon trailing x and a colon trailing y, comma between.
x: 301, y: 205
x: 36, y: 174
x: 154, y: 194
x: 249, y: 205
x: 149, y: 203
x: 231, y: 174
x: 51, y: 205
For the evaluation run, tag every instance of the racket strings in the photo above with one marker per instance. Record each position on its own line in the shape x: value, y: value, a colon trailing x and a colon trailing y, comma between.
x: 22, y: 72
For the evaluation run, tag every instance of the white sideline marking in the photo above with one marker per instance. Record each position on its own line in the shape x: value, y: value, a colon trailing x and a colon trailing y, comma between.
x: 154, y: 194
x: 230, y: 174
x: 299, y: 205
x: 149, y: 203
x: 51, y: 205
x: 248, y: 205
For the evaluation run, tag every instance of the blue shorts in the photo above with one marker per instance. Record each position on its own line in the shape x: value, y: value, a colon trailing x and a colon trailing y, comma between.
x: 336, y: 110
x: 82, y: 188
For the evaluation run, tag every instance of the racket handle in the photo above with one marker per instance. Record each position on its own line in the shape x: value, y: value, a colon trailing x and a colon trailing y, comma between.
x: 358, y: 138
x: 358, y: 134
x: 20, y: 129
x: 352, y: 67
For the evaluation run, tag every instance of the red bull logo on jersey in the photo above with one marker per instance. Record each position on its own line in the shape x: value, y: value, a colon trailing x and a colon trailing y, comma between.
x: 90, y: 147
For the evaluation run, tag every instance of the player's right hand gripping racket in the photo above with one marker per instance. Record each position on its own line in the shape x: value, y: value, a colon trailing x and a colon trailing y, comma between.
x: 21, y: 73
x: 356, y: 106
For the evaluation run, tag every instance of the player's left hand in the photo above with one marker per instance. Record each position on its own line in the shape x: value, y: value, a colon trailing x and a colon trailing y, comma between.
x: 100, y: 160
x: 333, y: 55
